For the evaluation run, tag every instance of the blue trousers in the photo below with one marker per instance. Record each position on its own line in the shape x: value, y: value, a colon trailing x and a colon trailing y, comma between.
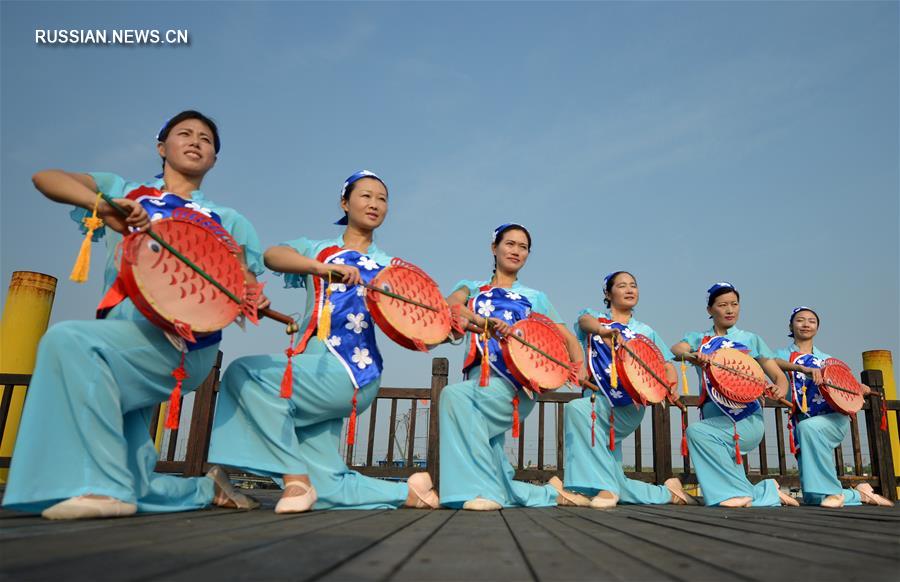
x: 85, y: 425
x: 258, y: 431
x: 591, y: 469
x: 711, y: 445
x: 818, y: 436
x: 473, y: 425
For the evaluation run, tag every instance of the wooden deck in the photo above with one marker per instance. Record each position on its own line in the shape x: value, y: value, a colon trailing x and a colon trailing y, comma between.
x: 627, y: 543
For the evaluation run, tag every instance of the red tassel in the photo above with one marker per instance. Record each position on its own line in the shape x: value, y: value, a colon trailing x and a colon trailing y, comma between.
x: 684, y: 447
x: 737, y: 447
x: 612, y: 431
x: 515, y: 426
x: 351, y: 425
x: 593, y: 420
x: 287, y: 380
x: 884, y: 424
x: 791, y: 438
x: 175, y: 398
x: 485, y: 377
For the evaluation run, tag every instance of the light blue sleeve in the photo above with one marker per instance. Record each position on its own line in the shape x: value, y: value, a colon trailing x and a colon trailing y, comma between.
x: 761, y: 348
x: 468, y: 284
x: 783, y: 354
x: 666, y: 352
x: 693, y: 339
x: 243, y: 232
x: 542, y: 305
x: 305, y: 247
x: 580, y: 335
x: 113, y: 186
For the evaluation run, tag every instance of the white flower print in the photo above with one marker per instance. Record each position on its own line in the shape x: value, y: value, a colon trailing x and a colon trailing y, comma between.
x: 156, y: 216
x: 817, y: 362
x: 616, y: 393
x: 817, y: 399
x: 198, y: 208
x: 527, y: 312
x: 489, y: 294
x: 485, y: 308
x: 513, y: 295
x: 492, y: 358
x: 361, y: 358
x: 156, y: 201
x: 356, y: 322
x: 608, y: 370
x: 728, y: 344
x: 367, y: 263
x: 735, y: 411
x: 338, y: 261
x: 334, y: 341
x: 800, y: 376
x: 628, y: 333
x: 339, y: 287
x: 507, y: 315
x: 597, y: 338
x: 360, y: 291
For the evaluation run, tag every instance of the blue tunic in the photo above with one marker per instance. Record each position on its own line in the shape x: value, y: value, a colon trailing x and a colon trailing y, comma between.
x: 711, y: 441
x: 474, y: 419
x: 817, y: 432
x: 85, y: 425
x: 260, y: 432
x: 591, y: 466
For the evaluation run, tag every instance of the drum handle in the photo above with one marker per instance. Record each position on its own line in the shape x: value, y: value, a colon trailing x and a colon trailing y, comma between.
x: 177, y: 254
x: 386, y: 292
x: 591, y: 386
x: 289, y: 321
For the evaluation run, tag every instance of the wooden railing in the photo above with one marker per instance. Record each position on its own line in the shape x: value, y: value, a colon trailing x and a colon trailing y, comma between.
x: 662, y: 421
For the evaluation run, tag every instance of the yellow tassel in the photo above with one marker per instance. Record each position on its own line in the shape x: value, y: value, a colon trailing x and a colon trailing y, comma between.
x: 83, y: 263
x: 613, y: 375
x: 803, y: 407
x: 684, y: 382
x: 324, y: 330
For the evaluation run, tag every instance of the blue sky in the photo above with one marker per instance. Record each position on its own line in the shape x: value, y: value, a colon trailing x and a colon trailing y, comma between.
x: 686, y: 142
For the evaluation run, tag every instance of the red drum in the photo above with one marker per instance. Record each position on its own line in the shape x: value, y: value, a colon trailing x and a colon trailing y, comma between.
x: 642, y: 370
x: 841, y: 390
x: 536, y: 354
x: 421, y: 322
x: 176, y: 297
x: 736, y: 378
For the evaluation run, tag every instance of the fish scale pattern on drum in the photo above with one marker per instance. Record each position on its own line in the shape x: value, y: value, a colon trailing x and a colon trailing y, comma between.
x: 642, y: 378
x: 848, y: 397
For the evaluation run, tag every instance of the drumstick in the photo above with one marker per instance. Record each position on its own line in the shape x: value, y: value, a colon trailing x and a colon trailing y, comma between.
x: 279, y: 317
x: 177, y: 254
x: 385, y: 292
x: 644, y: 365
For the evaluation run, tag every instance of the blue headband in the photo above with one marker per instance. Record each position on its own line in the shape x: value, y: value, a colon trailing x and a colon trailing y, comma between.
x: 354, y: 178
x: 506, y: 226
x: 719, y: 285
x: 610, y: 276
x: 795, y: 312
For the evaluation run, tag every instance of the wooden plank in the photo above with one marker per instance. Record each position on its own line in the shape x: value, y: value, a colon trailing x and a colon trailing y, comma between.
x: 173, y: 442
x: 857, y: 451
x: 632, y: 554
x: 201, y: 421
x: 521, y: 444
x: 637, y: 449
x: 381, y: 560
x: 490, y: 554
x: 662, y: 443
x: 406, y: 393
x: 392, y: 432
x: 779, y: 435
x: 839, y: 460
x: 540, y: 453
x: 370, y: 443
x: 308, y: 555
x: 560, y: 433
x: 880, y: 450
x: 763, y: 456
x: 685, y: 459
x: 411, y: 441
x: 440, y: 367
x: 557, y: 552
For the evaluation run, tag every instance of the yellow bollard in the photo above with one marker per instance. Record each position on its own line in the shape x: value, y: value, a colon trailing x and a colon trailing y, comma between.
x: 881, y: 360
x: 25, y: 319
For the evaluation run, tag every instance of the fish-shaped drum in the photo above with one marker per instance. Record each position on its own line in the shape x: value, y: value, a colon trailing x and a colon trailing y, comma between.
x: 176, y: 296
x: 408, y: 306
x: 536, y: 355
x: 735, y: 377
x: 843, y: 393
x: 642, y: 370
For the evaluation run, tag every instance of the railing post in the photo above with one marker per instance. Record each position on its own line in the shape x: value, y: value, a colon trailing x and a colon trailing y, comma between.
x: 201, y: 422
x: 662, y: 443
x: 440, y: 369
x: 879, y: 440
